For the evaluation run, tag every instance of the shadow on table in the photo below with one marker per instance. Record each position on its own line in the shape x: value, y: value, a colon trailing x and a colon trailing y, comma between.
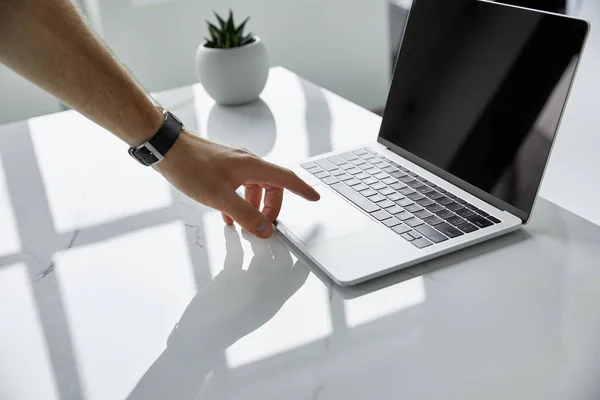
x: 251, y: 126
x: 428, y: 267
x: 234, y: 304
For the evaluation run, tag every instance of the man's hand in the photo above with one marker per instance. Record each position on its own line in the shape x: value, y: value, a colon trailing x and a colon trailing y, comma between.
x: 210, y: 174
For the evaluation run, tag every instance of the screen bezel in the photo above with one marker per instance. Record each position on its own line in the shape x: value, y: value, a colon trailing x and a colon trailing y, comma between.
x: 475, y: 191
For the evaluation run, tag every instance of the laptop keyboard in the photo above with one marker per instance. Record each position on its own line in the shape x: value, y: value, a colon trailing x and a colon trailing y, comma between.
x: 419, y: 211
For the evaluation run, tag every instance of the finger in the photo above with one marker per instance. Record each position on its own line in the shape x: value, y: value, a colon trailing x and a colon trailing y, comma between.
x: 253, y: 194
x: 246, y: 215
x: 227, y: 219
x: 275, y: 175
x: 273, y: 200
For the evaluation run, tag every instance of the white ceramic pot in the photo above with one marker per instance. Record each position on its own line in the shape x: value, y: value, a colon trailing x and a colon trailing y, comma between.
x: 233, y: 76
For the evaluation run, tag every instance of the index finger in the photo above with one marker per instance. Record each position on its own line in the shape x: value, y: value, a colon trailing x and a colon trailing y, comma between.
x: 275, y: 175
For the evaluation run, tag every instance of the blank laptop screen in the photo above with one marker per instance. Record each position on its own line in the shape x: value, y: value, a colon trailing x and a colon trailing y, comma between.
x: 478, y: 93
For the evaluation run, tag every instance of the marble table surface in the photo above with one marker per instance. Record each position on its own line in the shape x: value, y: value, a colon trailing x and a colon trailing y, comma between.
x: 115, y: 286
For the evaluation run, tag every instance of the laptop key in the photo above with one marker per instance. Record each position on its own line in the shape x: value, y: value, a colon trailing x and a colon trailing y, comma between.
x: 398, y: 174
x: 421, y: 243
x: 407, y: 236
x: 400, y: 229
x: 380, y: 215
x: 451, y: 195
x: 349, y: 156
x: 377, y: 198
x: 360, y: 187
x: 444, y: 200
x: 413, y: 208
x: 415, y: 196
x: 389, y: 180
x: 434, y: 195
x: 354, y: 171
x: 406, y: 191
x: 416, y: 185
x: 389, y: 169
x: 403, y: 216
x: 380, y: 175
x: 422, y: 214
x: 413, y: 222
x: 386, y: 203
x: 404, y: 202
x: 368, y: 192
x: 378, y: 185
x: 425, y: 189
x: 468, y: 228
x: 407, y: 179
x: 395, y: 196
x: 471, y: 207
x: 346, y: 166
x: 424, y: 202
x: 352, y: 182
x: 494, y: 219
x: 308, y: 165
x: 337, y: 160
x: 482, y: 213
x: 326, y: 165
x: 445, y: 214
x: 479, y: 221
x: 431, y: 234
x: 330, y: 180
x: 465, y: 213
x: 435, y: 208
x: 345, y: 177
x: 460, y: 201
x: 395, y: 209
x: 355, y: 197
x: 398, y: 186
x: 456, y: 220
x: 337, y: 172
x: 448, y: 230
x: 358, y: 161
x: 321, y: 174
x: 391, y: 222
x: 433, y: 220
x: 454, y: 206
x: 360, y: 152
x: 370, y: 181
x: 386, y: 191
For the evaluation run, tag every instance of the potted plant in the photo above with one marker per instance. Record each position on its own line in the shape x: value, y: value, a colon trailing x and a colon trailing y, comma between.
x: 232, y: 66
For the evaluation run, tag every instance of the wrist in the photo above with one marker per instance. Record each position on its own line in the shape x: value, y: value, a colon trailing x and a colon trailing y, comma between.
x: 145, y: 126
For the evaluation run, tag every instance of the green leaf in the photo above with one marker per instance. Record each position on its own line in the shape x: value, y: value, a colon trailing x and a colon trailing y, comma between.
x: 227, y: 41
x: 247, y: 39
x: 221, y: 21
x: 239, y: 31
x: 236, y: 41
x: 230, y: 25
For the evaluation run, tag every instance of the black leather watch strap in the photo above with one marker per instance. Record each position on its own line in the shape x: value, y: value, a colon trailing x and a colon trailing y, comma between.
x: 153, y: 151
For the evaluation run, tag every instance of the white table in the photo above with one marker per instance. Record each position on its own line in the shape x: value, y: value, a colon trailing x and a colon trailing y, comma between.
x: 99, y: 258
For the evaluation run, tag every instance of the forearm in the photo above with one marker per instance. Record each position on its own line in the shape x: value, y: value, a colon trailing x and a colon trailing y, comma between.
x: 50, y: 44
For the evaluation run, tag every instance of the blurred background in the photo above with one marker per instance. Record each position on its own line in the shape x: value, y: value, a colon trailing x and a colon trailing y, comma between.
x: 346, y: 46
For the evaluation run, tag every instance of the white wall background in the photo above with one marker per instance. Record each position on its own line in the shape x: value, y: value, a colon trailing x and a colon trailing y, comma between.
x: 342, y: 45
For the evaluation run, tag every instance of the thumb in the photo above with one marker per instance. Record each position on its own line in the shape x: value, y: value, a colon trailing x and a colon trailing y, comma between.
x: 247, y: 216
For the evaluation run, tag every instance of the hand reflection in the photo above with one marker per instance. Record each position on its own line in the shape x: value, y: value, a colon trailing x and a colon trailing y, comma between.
x: 232, y: 305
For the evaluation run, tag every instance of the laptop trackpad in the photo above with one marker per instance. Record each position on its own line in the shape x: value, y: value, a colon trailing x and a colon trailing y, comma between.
x: 326, y: 219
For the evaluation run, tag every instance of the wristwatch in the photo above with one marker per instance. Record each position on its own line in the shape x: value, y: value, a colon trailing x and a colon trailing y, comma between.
x: 154, y: 150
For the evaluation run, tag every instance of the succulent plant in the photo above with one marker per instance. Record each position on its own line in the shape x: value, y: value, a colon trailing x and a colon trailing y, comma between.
x: 227, y: 35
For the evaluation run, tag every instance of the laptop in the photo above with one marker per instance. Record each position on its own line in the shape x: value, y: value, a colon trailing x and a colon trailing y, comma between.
x: 477, y: 95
